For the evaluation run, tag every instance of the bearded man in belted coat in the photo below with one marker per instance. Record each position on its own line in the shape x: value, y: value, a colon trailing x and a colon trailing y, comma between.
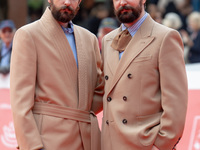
x: 56, y: 82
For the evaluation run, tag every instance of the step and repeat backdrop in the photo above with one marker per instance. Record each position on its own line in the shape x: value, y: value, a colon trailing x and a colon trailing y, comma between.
x: 189, y: 141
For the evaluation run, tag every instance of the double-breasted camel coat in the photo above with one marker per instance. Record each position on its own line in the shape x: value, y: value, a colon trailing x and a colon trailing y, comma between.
x: 53, y: 101
x: 145, y: 97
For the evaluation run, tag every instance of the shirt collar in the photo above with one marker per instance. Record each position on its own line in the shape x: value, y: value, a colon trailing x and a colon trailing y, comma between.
x: 133, y: 29
x: 69, y: 29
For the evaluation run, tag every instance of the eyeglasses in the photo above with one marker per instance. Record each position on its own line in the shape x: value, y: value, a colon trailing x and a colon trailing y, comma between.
x: 9, y: 30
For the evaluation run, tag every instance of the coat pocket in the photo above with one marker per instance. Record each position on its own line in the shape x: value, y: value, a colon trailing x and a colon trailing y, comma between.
x: 149, y: 128
x: 142, y: 58
x: 38, y: 120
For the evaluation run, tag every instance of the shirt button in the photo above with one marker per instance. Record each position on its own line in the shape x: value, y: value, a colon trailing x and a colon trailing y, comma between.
x: 109, y: 99
x: 106, y: 77
x: 129, y: 75
x: 124, y: 121
x: 107, y: 122
x: 125, y: 98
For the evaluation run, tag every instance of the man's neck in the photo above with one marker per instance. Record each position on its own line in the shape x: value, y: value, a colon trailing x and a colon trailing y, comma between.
x: 65, y: 25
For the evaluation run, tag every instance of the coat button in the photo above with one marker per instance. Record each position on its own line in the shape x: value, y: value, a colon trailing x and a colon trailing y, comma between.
x: 124, y: 121
x: 125, y: 98
x: 129, y: 75
x: 107, y: 122
x: 109, y: 99
x: 106, y: 77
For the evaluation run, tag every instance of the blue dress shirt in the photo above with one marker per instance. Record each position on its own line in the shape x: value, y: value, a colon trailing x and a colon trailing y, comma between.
x: 133, y: 29
x: 69, y: 33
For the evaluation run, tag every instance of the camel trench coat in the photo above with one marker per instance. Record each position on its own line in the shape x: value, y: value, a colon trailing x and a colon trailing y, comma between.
x: 145, y: 97
x: 54, y: 102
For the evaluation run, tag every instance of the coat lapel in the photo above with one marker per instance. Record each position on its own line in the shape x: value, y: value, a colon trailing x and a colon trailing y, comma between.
x: 138, y: 43
x: 60, y: 42
x: 113, y: 55
x: 82, y: 68
x: 77, y: 75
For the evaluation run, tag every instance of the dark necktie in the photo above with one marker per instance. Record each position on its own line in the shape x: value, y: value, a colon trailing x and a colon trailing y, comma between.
x: 121, y: 41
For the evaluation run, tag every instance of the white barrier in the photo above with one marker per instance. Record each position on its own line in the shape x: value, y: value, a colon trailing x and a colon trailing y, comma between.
x: 193, y: 74
x: 4, y: 81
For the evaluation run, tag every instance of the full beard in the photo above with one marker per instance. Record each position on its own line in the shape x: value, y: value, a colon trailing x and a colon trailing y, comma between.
x: 130, y: 15
x: 63, y: 14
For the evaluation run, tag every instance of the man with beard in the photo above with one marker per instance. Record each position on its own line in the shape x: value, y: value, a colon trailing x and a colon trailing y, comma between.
x: 145, y: 98
x: 56, y: 82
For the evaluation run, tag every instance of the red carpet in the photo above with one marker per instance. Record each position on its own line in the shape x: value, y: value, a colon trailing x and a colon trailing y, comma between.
x: 191, y: 136
x: 189, y: 141
x: 7, y: 135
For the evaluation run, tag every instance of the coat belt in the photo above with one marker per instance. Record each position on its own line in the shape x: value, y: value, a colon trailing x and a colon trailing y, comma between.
x: 73, y: 114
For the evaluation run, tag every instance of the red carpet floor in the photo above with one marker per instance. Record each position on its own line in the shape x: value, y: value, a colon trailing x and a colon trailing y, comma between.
x: 189, y: 141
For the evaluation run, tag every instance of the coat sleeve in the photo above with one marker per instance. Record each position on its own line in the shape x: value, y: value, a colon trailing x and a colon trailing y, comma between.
x: 97, y: 104
x: 22, y: 90
x: 174, y: 91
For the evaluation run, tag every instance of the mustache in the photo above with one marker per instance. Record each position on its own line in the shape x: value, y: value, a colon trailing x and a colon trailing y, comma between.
x: 125, y: 7
x: 67, y: 7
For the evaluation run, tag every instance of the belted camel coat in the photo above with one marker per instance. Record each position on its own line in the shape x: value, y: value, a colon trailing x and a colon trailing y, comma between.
x: 54, y: 102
